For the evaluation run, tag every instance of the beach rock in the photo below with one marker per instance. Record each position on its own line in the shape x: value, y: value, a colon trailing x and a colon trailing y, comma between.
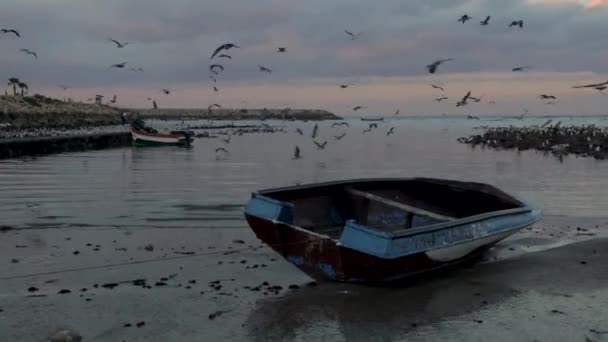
x: 66, y: 335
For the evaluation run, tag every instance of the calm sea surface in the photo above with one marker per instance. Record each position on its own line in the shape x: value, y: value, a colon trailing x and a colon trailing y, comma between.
x: 177, y: 187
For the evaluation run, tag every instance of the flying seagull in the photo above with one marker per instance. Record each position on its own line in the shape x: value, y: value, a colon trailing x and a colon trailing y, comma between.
x: 264, y: 69
x: 486, y: 21
x: 433, y: 66
x: 64, y: 87
x: 166, y: 91
x: 520, y: 68
x: 390, y: 131
x: 439, y: 99
x: 299, y: 131
x: 547, y: 97
x: 397, y: 112
x: 315, y: 130
x: 352, y: 35
x: 357, y: 108
x: 282, y: 49
x: 5, y: 31
x: 475, y: 99
x: 213, y: 105
x: 119, y: 44
x: 338, y: 124
x: 113, y: 100
x: 594, y: 85
x: 344, y: 86
x: 519, y: 23
x: 212, y: 68
x: 437, y: 87
x: 463, y: 102
x: 296, y: 153
x: 226, y: 47
x: 29, y: 52
x: 224, y: 56
x: 215, y: 89
x: 339, y: 137
x: 119, y: 65
x: 320, y: 146
x: 464, y: 18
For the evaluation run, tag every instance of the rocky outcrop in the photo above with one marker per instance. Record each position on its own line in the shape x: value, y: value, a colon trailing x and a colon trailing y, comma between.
x: 11, y: 148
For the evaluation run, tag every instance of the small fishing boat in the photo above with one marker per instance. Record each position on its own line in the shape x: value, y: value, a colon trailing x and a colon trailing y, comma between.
x: 381, y: 230
x: 372, y: 119
x: 144, y: 138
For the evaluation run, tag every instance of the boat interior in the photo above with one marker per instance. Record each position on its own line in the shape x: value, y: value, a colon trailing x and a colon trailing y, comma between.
x: 389, y: 205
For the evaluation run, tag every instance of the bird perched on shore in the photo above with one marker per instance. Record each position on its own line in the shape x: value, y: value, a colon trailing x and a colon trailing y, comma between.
x: 547, y: 97
x: 296, y: 152
x: 437, y: 87
x: 390, y: 131
x: 486, y: 21
x: 433, y: 66
x: 519, y: 23
x: 222, y: 47
x: 520, y: 68
x: 212, y: 68
x: 320, y: 146
x: 119, y: 65
x: 352, y: 35
x: 5, y: 31
x: 29, y: 52
x: 463, y: 102
x: 464, y: 18
x: 119, y: 44
x: 264, y: 69
x: 282, y: 50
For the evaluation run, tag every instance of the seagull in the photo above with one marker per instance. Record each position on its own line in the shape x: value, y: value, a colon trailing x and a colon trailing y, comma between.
x: 166, y: 91
x: 595, y: 85
x: 437, y: 87
x: 463, y: 102
x: 264, y: 69
x: 320, y: 146
x: 119, y: 65
x: 282, y: 49
x: 397, y: 112
x: 5, y: 31
x: 113, y: 100
x: 475, y: 99
x: 137, y: 69
x: 212, y: 68
x: 119, y: 44
x: 29, y: 52
x: 64, y: 87
x: 213, y: 105
x: 339, y: 137
x: 600, y: 89
x: 390, y: 131
x: 224, y: 56
x: 296, y: 153
x: 357, y: 108
x: 220, y: 149
x: 344, y: 86
x: 486, y: 21
x: 520, y: 68
x: 337, y: 124
x: 433, y: 66
x: 519, y: 23
x: 315, y: 130
x: 464, y: 18
x: 299, y: 131
x: 352, y: 35
x: 226, y: 47
x: 373, y: 125
x: 215, y: 89
x: 439, y: 99
x: 547, y: 97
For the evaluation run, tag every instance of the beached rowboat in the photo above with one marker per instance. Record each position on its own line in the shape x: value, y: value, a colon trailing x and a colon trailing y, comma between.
x: 141, y: 137
x: 379, y: 230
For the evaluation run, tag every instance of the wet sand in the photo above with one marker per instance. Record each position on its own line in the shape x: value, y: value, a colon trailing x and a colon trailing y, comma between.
x: 557, y: 294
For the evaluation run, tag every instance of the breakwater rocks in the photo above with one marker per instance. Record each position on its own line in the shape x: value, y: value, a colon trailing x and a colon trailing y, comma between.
x: 11, y: 148
x: 585, y: 141
x: 235, y: 114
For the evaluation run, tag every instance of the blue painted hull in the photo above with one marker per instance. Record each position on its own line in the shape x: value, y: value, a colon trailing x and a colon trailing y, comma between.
x: 365, y: 253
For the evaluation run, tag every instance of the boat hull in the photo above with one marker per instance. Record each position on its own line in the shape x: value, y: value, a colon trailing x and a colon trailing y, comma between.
x: 361, y: 253
x: 142, y: 138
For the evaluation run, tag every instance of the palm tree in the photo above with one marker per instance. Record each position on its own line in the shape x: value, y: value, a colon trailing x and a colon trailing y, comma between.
x: 14, y: 81
x: 23, y: 86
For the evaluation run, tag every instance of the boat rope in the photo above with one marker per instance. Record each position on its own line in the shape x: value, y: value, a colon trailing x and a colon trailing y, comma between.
x: 147, y: 261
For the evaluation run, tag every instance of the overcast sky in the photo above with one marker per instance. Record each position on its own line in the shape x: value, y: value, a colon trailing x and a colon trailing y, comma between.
x: 564, y: 41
